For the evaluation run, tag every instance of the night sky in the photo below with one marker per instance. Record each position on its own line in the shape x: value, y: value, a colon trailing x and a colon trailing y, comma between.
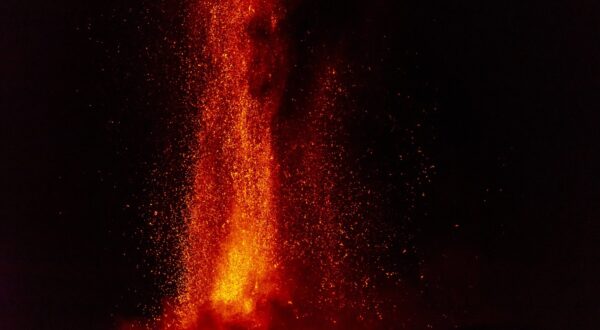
x: 501, y: 98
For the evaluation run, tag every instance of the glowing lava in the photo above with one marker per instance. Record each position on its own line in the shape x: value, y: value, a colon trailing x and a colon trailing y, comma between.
x: 230, y: 259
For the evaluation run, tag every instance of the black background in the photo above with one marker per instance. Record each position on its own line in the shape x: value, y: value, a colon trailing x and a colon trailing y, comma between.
x: 507, y: 237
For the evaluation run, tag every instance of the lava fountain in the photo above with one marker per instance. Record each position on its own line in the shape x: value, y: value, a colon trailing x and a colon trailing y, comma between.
x: 277, y: 232
x: 230, y: 260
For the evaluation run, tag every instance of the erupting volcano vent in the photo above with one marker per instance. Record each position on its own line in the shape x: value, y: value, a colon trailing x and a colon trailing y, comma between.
x: 279, y: 229
x: 231, y: 265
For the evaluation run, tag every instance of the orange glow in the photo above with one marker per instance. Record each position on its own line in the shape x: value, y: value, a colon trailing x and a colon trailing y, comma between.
x: 230, y: 262
x: 280, y: 223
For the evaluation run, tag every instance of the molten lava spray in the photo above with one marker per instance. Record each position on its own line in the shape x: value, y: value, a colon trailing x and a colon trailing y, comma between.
x: 231, y: 265
x: 278, y: 227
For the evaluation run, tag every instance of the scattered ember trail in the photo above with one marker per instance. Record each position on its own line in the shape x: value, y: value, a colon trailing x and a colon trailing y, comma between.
x: 280, y: 229
x: 231, y: 266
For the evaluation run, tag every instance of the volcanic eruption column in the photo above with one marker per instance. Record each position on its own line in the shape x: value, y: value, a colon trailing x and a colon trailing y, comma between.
x: 230, y: 258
